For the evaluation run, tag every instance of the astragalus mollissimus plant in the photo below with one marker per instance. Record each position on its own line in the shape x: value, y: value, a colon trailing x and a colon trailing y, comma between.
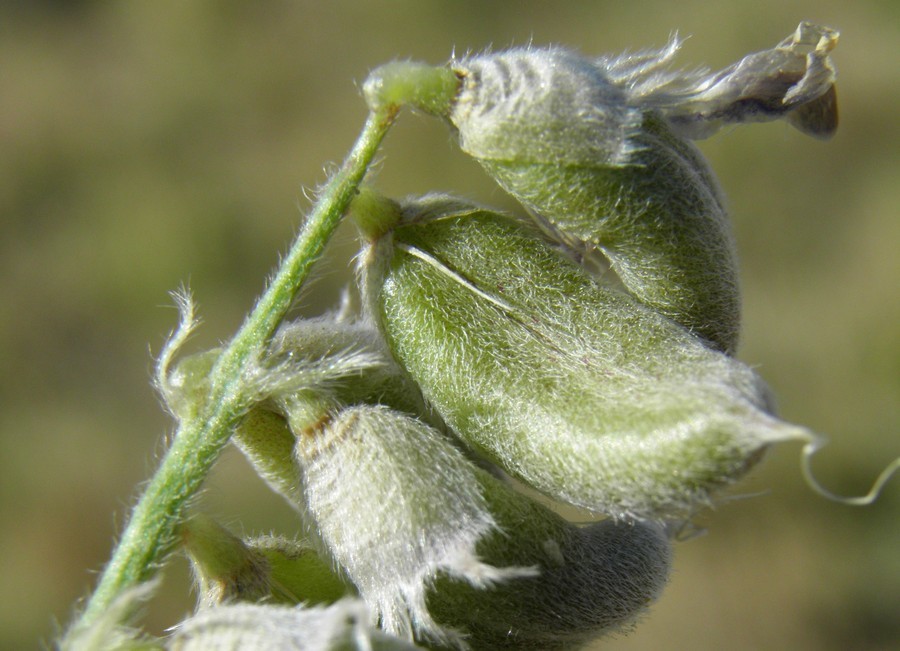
x: 587, y: 352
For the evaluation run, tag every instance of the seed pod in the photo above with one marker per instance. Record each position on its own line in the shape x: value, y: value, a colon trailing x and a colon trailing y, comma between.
x: 601, y: 174
x: 595, y: 149
x: 593, y: 580
x: 395, y: 504
x: 578, y: 390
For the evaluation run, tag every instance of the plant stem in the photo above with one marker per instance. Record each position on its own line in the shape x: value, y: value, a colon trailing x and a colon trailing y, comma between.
x: 150, y: 532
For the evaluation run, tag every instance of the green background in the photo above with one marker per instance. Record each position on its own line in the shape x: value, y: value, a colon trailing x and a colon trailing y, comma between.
x: 145, y: 145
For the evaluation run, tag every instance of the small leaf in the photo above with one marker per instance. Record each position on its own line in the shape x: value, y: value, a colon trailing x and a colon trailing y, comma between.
x: 224, y: 568
x: 228, y: 569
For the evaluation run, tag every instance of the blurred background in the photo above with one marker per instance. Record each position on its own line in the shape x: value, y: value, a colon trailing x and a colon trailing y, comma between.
x: 146, y: 145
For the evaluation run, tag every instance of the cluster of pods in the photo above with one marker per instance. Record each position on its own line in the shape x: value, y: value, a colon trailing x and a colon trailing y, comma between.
x: 585, y: 353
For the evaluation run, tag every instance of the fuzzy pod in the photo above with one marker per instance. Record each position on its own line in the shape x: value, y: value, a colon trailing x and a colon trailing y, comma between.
x: 579, y: 390
x: 603, y: 175
x: 593, y: 580
x: 395, y: 503
x: 597, y: 151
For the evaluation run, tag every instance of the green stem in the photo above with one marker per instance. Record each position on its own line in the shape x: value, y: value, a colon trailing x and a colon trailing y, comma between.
x: 150, y: 532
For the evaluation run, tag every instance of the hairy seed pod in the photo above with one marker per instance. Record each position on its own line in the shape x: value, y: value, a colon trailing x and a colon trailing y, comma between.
x: 395, y: 503
x: 579, y: 390
x: 595, y: 149
x: 601, y: 174
x: 593, y: 580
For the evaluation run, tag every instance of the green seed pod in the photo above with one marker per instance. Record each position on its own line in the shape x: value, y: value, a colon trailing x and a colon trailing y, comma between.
x: 593, y: 580
x: 579, y: 390
x: 595, y: 149
x: 395, y: 503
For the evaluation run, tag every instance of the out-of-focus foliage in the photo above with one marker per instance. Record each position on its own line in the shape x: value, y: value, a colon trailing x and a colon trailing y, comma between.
x: 147, y: 144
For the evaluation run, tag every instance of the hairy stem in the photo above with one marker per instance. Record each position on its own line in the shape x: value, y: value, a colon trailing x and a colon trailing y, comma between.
x: 150, y: 532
